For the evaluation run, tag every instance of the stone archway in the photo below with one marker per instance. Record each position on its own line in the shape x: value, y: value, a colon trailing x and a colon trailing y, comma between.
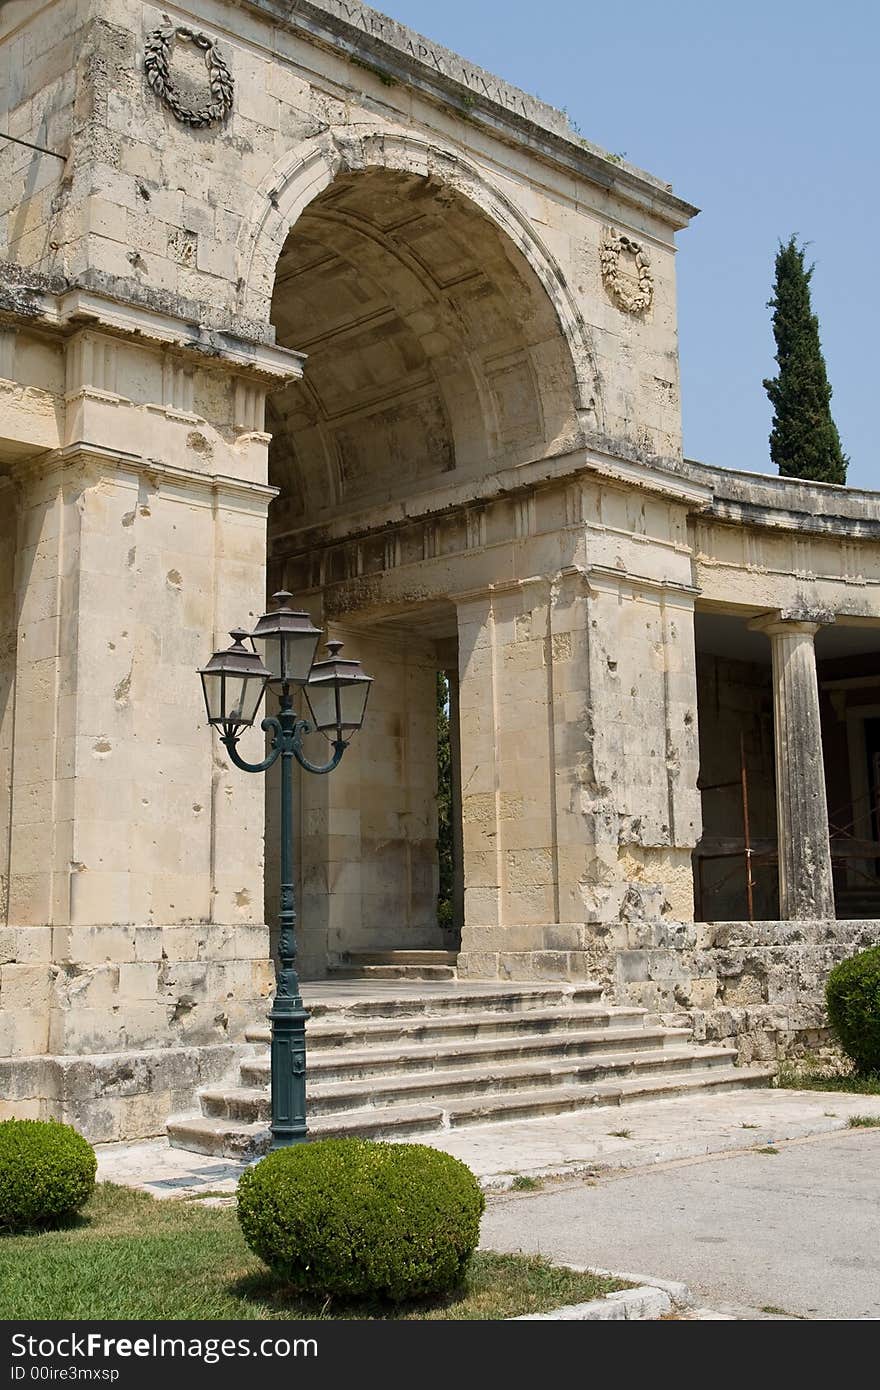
x: 435, y: 359
x: 313, y: 166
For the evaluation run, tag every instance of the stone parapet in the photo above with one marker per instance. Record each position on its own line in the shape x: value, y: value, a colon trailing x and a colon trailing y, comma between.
x: 116, y: 1095
x: 755, y: 986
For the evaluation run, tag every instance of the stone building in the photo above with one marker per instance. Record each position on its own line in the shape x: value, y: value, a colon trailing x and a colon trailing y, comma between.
x: 293, y: 297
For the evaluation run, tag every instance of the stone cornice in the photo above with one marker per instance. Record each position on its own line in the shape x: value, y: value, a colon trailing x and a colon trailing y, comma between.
x: 585, y: 463
x: 399, y: 54
x: 61, y: 309
x: 605, y: 579
x: 787, y: 504
x: 170, y: 475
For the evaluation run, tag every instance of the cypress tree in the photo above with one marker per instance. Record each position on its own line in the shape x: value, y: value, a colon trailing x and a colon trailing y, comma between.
x: 804, y: 442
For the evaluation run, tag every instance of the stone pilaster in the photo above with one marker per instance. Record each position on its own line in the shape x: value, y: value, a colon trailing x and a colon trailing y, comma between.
x: 805, y: 886
x: 131, y: 852
x: 578, y: 769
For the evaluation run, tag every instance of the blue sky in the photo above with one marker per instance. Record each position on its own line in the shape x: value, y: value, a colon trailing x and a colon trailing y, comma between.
x: 763, y: 114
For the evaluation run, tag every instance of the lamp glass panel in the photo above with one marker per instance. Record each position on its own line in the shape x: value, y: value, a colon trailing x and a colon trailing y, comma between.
x: 289, y: 656
x: 353, y: 703
x: 213, y: 689
x: 298, y: 653
x: 243, y: 696
x: 322, y: 703
x: 270, y: 650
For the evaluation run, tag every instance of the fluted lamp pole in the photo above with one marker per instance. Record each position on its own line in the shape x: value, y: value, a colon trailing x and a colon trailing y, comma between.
x: 336, y: 691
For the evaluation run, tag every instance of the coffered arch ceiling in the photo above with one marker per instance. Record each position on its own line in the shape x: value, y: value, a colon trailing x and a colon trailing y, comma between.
x: 433, y: 351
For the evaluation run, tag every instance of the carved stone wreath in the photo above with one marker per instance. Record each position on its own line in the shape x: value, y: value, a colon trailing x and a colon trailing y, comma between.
x: 631, y: 300
x: 157, y: 59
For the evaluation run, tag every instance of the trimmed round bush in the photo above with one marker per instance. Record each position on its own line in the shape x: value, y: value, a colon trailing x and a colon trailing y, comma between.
x: 47, y: 1172
x: 853, y: 998
x: 359, y: 1219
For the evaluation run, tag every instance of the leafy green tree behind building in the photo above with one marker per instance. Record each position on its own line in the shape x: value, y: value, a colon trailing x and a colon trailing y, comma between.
x: 804, y: 442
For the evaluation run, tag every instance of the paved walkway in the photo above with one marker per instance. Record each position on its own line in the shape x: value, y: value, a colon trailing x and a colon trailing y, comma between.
x: 593, y: 1141
x: 674, y: 1189
x: 795, y: 1233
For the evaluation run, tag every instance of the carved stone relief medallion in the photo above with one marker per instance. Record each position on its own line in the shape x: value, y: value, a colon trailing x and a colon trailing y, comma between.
x: 626, y: 272
x: 216, y: 106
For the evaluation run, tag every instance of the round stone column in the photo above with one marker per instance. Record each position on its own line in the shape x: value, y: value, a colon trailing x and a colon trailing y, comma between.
x: 806, y: 891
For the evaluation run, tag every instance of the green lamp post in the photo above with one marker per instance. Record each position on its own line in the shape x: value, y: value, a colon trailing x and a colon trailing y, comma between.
x: 336, y: 690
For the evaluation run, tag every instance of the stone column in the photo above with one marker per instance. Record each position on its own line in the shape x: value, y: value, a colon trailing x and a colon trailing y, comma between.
x: 805, y: 886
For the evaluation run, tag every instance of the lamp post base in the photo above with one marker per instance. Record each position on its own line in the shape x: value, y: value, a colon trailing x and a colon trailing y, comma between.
x: 288, y: 1073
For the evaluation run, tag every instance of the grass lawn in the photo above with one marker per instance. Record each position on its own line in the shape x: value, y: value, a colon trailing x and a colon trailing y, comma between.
x: 830, y: 1079
x: 131, y: 1256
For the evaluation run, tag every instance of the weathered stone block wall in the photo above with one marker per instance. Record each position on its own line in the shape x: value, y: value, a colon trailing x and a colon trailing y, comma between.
x: 41, y: 48
x: 645, y: 752
x: 124, y: 921
x: 133, y: 919
x: 755, y: 986
x: 116, y: 1095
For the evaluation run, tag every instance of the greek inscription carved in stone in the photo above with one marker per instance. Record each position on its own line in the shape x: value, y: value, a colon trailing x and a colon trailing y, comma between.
x: 482, y: 83
x: 157, y: 61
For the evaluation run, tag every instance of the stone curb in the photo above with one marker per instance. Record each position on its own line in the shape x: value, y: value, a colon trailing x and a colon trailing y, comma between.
x: 679, y: 1293
x: 654, y: 1299
x: 644, y: 1305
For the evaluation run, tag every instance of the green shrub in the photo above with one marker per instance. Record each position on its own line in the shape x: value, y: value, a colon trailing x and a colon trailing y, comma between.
x: 853, y: 997
x: 47, y: 1172
x: 354, y: 1218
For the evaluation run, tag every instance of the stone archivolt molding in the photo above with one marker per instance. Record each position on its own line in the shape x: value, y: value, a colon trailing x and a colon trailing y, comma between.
x: 157, y: 60
x: 619, y: 286
x: 304, y: 174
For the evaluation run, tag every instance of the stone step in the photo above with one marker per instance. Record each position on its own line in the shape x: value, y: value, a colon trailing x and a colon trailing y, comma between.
x: 392, y: 972
x: 237, y: 1139
x: 349, y: 1001
x: 420, y: 957
x: 325, y: 1097
x: 332, y: 1032
x: 395, y: 965
x: 343, y: 1061
x: 227, y: 1138
x: 525, y: 1105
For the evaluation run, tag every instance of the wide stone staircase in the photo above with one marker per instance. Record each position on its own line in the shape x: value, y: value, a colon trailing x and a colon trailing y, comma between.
x: 402, y: 1058
x: 395, y: 965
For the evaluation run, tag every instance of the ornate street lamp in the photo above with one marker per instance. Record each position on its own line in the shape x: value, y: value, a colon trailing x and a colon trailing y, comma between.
x: 336, y: 690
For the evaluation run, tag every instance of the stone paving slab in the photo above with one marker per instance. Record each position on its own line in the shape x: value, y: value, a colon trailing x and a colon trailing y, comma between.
x: 153, y: 1166
x: 586, y: 1142
x: 647, y: 1134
